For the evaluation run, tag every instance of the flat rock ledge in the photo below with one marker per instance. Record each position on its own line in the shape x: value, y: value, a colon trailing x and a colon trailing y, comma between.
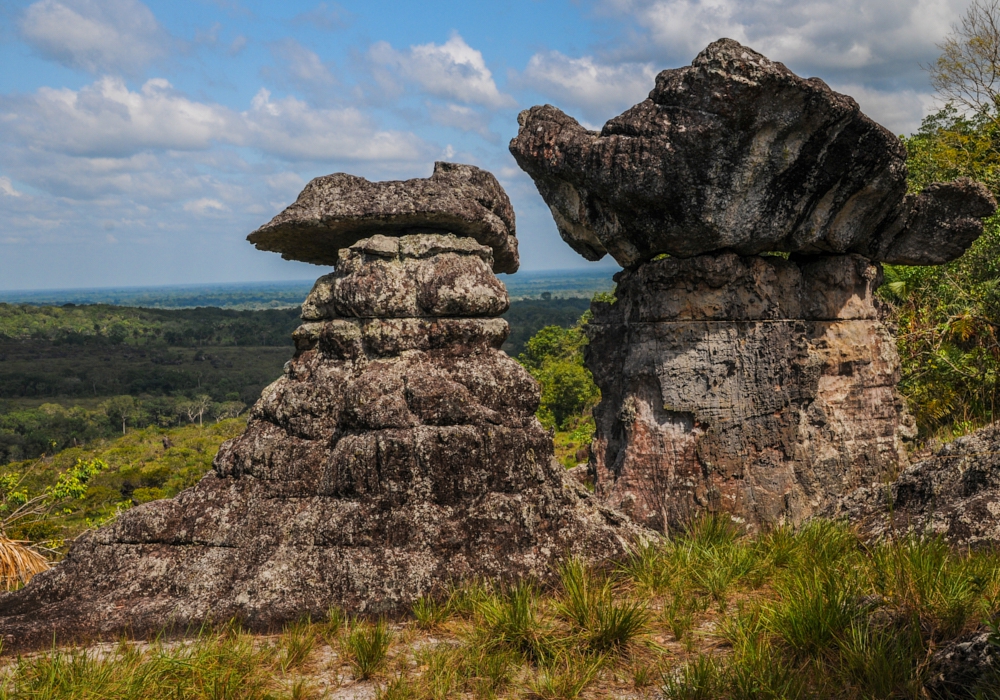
x: 737, y: 152
x: 336, y: 211
x: 394, y: 457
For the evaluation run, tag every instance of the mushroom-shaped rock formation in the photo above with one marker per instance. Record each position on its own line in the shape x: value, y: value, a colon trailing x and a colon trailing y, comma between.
x: 759, y: 385
x: 335, y: 211
x: 399, y: 453
x: 737, y: 152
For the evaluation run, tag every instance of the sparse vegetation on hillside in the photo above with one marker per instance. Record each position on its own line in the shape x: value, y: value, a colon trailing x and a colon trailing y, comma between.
x: 708, y: 614
x: 141, y: 466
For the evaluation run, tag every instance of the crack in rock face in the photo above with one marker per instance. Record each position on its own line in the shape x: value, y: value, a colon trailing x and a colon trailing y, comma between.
x: 736, y: 152
x: 398, y: 454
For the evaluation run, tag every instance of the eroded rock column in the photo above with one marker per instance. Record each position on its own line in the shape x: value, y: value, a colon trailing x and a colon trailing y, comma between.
x: 757, y: 386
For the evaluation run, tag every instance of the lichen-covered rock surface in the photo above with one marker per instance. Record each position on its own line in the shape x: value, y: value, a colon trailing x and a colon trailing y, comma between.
x: 955, y: 494
x: 395, y: 456
x: 757, y: 386
x: 336, y: 211
x: 737, y: 152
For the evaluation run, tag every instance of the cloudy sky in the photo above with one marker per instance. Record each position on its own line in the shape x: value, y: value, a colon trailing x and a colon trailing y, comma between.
x: 141, y: 142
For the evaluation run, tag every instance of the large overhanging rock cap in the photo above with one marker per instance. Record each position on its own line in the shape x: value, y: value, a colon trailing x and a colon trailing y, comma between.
x: 737, y: 152
x: 336, y: 211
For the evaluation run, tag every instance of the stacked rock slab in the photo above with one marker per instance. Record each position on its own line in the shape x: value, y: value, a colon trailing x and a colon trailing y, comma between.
x: 734, y: 380
x: 398, y: 453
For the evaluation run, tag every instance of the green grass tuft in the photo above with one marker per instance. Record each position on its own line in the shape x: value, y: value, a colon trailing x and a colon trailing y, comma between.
x: 367, y: 646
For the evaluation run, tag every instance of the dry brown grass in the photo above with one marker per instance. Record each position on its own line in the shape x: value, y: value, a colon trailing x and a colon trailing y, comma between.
x: 18, y: 563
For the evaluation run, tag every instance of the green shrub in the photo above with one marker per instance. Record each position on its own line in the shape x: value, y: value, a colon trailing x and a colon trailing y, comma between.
x: 589, y: 603
x: 701, y: 679
x: 554, y: 357
x: 367, y: 646
x: 510, y: 620
x: 564, y: 676
x: 297, y: 643
x: 429, y: 612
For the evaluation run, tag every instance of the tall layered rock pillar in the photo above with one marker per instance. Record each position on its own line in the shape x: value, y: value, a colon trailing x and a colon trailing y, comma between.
x: 743, y: 367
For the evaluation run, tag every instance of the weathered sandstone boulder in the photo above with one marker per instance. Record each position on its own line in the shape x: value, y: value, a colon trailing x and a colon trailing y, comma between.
x: 955, y: 494
x: 737, y: 152
x: 335, y: 211
x: 758, y: 386
x: 398, y: 453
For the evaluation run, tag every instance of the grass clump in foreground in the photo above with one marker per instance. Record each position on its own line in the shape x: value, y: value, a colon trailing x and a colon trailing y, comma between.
x: 709, y: 613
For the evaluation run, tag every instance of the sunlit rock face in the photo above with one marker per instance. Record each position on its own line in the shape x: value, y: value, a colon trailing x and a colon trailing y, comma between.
x: 758, y: 386
x: 736, y: 152
x: 732, y: 379
x: 398, y: 454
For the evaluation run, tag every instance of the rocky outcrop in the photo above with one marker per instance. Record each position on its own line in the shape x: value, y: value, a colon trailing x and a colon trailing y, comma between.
x: 335, y: 211
x: 754, y: 385
x: 736, y: 152
x: 954, y: 494
x: 398, y: 453
x: 961, y: 667
x: 732, y: 380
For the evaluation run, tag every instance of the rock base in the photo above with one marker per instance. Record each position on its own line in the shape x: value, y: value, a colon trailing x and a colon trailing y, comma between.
x: 954, y: 494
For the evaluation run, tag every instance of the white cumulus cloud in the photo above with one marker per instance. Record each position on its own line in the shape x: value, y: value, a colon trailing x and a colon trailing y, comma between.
x: 885, y: 40
x: 7, y: 188
x: 291, y: 128
x: 205, y: 206
x: 453, y: 70
x: 99, y: 36
x: 107, y: 119
x: 600, y: 90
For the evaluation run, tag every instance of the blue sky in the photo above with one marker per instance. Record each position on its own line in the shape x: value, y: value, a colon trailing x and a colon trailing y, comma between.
x: 141, y: 142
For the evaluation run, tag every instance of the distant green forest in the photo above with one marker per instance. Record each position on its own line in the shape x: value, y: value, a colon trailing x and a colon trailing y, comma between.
x: 104, y: 325
x: 72, y: 374
x: 563, y: 284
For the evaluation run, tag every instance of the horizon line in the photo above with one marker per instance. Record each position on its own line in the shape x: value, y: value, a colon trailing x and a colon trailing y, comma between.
x: 304, y: 281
